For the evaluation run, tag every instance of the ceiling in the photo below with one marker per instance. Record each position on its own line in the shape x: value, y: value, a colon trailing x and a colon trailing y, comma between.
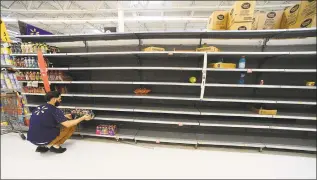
x: 69, y: 17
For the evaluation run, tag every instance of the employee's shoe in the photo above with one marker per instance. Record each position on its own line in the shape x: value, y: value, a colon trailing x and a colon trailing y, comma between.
x: 41, y: 149
x: 57, y: 150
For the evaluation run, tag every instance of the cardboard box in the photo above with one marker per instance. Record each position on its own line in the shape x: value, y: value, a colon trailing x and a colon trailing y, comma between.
x: 153, y: 49
x: 300, y: 15
x: 207, y: 49
x: 242, y: 11
x: 222, y: 65
x: 289, y: 16
x: 268, y: 20
x: 264, y: 111
x: 255, y: 19
x: 218, y: 20
x: 241, y: 26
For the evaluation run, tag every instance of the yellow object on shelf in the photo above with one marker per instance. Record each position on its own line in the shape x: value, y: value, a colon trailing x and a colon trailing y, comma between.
x: 153, y: 49
x: 207, y: 49
x: 222, y: 65
x: 264, y: 111
x: 310, y: 83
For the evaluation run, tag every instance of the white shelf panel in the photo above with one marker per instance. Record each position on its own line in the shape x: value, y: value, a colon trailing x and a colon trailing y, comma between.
x: 137, y: 68
x: 238, y: 124
x: 114, y: 118
x: 47, y: 55
x: 289, y: 143
x: 122, y: 133
x: 244, y: 100
x: 55, y: 68
x: 164, y: 136
x: 51, y: 82
x: 229, y: 140
x: 299, y: 116
x: 121, y: 82
x: 259, y: 86
x: 248, y: 53
x: 265, y: 70
x: 167, y: 110
x: 293, y: 127
x: 164, y: 120
x: 106, y: 107
x: 233, y: 113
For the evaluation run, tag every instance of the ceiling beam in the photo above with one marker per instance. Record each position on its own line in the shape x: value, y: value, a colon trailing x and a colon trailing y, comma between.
x: 157, y: 9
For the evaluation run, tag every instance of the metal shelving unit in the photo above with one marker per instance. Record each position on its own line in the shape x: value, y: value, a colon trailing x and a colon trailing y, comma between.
x: 202, y: 113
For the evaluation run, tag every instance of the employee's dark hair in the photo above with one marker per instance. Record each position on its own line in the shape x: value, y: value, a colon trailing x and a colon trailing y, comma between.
x: 51, y: 94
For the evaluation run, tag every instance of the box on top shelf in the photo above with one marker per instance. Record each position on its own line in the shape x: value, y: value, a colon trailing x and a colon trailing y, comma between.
x: 153, y: 49
x: 241, y: 11
x: 208, y: 49
x: 217, y: 20
x: 300, y: 15
x: 267, y: 20
x: 241, y: 26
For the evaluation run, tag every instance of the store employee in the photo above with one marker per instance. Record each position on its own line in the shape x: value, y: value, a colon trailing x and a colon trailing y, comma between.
x: 45, y: 130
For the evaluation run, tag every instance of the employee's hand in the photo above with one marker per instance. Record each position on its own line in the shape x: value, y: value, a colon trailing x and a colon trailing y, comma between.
x: 68, y: 116
x: 87, y: 117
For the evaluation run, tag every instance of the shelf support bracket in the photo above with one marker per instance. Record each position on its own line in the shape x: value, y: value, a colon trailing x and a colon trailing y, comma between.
x: 86, y: 46
x: 203, y: 78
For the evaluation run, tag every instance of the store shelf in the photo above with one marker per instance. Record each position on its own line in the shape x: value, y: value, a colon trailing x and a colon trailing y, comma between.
x: 294, y: 115
x: 7, y: 66
x: 60, y: 68
x: 136, y: 68
x: 259, y: 86
x: 258, y: 100
x: 232, y: 34
x: 166, y: 136
x: 265, y: 70
x: 289, y: 143
x: 121, y: 134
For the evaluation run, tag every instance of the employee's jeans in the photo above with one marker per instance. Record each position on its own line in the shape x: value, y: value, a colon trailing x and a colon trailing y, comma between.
x: 64, y: 134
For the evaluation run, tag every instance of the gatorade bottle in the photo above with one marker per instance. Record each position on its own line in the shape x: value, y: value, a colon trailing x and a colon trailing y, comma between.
x: 241, y: 80
x: 242, y: 62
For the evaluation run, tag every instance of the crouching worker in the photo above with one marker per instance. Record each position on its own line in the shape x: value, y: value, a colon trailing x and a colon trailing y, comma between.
x: 49, y: 127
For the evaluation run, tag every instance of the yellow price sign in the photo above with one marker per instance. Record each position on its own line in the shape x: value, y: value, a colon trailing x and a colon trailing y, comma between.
x: 4, y: 34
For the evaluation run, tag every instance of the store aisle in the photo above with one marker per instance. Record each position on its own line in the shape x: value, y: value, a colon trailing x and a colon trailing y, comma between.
x: 100, y: 158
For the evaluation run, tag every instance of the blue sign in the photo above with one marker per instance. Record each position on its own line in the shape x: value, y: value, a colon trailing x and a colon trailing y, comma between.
x: 32, y: 30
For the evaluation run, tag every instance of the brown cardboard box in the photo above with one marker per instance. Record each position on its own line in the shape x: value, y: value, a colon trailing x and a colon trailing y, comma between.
x: 313, y: 24
x: 269, y: 20
x: 242, y: 11
x: 306, y: 14
x: 289, y: 16
x: 255, y: 19
x: 241, y: 26
x: 207, y: 49
x: 218, y: 20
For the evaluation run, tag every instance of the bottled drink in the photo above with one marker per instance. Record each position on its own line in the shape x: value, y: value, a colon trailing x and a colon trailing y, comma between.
x: 242, y: 62
x: 241, y: 80
x: 30, y: 47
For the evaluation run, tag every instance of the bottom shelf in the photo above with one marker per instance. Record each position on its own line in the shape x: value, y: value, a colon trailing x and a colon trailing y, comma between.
x: 209, y: 139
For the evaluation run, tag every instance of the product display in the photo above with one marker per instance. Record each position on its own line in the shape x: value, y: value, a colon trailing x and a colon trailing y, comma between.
x: 77, y: 113
x: 241, y: 80
x: 267, y: 20
x: 30, y: 89
x: 207, y: 49
x: 33, y: 48
x: 9, y: 81
x: 142, y: 91
x: 106, y: 130
x: 222, y: 65
x: 310, y: 84
x: 36, y: 76
x: 264, y: 111
x: 192, y: 79
x: 153, y: 49
x: 242, y: 62
x: 218, y: 20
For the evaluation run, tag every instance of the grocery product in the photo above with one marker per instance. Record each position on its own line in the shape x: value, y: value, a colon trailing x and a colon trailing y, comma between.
x: 192, y: 79
x: 267, y: 20
x: 222, y: 65
x: 106, y: 130
x: 261, y: 82
x: 311, y: 83
x: 207, y: 49
x: 217, y: 20
x: 153, y: 49
x: 141, y: 91
x: 241, y: 80
x: 241, y: 26
x: 241, y: 11
x: 242, y: 62
x: 262, y: 110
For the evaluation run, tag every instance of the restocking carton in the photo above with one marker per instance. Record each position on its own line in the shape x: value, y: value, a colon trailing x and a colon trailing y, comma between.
x: 267, y: 20
x: 218, y: 20
x: 241, y: 11
x: 241, y: 26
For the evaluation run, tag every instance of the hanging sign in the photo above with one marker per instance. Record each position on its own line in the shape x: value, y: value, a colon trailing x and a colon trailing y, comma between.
x: 4, y: 34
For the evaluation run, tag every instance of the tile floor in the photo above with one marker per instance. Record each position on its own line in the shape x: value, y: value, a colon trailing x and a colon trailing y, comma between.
x: 103, y: 158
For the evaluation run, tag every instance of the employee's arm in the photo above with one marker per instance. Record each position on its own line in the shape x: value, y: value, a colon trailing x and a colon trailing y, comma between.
x: 74, y: 122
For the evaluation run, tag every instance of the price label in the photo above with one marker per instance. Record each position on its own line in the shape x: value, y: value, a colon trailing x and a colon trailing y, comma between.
x: 170, y: 54
x: 249, y: 71
x: 35, y: 84
x: 180, y: 124
x: 157, y: 141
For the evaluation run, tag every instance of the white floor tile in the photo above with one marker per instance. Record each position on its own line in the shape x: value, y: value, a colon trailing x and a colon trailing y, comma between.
x: 95, y: 158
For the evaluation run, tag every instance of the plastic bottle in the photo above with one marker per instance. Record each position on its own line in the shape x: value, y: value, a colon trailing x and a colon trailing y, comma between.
x: 30, y: 47
x: 242, y: 62
x: 37, y: 76
x: 241, y: 80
